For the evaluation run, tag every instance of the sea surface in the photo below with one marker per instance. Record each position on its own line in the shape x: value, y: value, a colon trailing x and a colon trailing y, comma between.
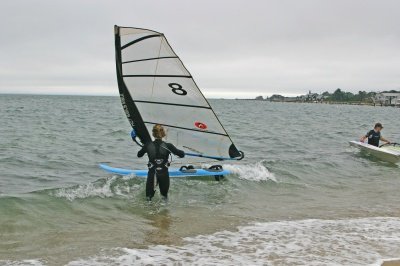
x: 302, y: 195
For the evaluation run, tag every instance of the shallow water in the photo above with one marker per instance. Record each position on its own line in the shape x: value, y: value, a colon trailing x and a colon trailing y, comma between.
x: 301, y: 195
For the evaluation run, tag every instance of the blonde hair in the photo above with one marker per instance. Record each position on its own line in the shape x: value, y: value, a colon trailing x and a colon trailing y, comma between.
x: 158, y: 132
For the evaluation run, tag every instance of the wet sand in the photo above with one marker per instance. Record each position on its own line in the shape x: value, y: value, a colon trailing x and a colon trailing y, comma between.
x: 391, y: 263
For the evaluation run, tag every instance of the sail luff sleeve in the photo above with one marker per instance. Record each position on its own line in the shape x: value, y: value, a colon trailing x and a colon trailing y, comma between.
x: 130, y: 109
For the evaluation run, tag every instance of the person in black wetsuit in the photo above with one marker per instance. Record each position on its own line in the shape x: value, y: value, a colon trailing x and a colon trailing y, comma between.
x: 374, y: 135
x: 158, y: 152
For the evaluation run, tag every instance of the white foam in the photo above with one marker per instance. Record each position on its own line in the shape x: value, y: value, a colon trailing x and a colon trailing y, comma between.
x: 308, y: 242
x: 32, y: 262
x: 119, y: 185
x: 251, y: 172
x: 105, y: 190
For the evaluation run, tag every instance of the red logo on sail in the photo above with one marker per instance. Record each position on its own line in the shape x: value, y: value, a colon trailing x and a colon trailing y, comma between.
x: 200, y: 125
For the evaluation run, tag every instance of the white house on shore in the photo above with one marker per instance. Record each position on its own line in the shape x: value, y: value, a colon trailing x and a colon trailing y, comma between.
x: 387, y: 98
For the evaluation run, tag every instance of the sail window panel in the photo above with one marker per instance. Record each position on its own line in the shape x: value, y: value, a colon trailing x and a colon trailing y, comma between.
x: 164, y: 66
x: 125, y: 39
x: 197, y: 142
x: 181, y: 116
x: 147, y: 48
x: 133, y: 31
x: 159, y: 89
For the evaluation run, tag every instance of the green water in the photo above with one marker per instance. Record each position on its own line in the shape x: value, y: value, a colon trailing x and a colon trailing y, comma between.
x: 57, y: 207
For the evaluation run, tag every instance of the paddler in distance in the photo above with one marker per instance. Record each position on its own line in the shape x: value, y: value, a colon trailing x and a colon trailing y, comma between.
x: 374, y: 136
x: 158, y: 152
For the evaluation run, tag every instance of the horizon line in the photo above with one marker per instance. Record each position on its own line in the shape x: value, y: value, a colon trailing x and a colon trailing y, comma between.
x: 207, y: 97
x: 96, y: 95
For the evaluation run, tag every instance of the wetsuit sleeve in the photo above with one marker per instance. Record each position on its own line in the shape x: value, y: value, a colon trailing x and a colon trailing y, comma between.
x: 369, y: 133
x: 176, y: 151
x: 142, y: 152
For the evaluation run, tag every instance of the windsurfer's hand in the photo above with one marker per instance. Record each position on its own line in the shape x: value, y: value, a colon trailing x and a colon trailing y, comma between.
x: 133, y: 134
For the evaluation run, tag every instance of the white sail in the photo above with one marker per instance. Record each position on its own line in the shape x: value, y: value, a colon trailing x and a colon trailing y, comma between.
x: 156, y: 88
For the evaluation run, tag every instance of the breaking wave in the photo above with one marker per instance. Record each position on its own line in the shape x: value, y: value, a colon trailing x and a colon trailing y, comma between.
x: 251, y: 172
x: 104, y: 188
x: 124, y: 186
x: 364, y: 241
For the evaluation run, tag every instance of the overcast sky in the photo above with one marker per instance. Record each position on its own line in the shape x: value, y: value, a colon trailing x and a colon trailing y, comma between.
x: 232, y: 48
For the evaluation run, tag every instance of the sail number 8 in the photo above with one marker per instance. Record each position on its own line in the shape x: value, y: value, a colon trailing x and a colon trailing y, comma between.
x: 177, y: 89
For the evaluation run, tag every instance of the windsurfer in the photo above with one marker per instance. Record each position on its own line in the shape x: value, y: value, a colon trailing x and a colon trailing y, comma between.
x: 158, y: 152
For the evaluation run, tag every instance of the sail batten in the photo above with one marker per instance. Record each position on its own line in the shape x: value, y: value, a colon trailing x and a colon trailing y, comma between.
x: 139, y: 40
x: 174, y: 104
x: 149, y: 59
x: 156, y: 88
x: 185, y: 128
x: 160, y: 76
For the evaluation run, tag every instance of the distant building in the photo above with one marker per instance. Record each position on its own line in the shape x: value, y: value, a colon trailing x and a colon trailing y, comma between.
x: 321, y: 98
x: 387, y: 98
x: 259, y: 98
x: 291, y: 99
x: 311, y: 97
x: 276, y: 98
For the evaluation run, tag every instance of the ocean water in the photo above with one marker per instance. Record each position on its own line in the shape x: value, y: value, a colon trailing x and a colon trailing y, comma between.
x: 302, y: 195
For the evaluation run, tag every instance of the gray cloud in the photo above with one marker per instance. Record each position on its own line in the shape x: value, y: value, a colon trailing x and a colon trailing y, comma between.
x: 232, y: 48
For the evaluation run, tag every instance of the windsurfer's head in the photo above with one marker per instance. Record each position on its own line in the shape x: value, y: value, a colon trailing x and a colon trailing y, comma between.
x: 378, y: 127
x: 158, y: 132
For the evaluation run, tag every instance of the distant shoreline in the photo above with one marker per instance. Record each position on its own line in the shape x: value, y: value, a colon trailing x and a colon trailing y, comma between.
x: 384, y: 98
x: 236, y: 99
x: 325, y: 102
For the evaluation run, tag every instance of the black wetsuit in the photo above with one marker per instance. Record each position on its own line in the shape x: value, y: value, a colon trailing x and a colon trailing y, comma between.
x: 158, y: 152
x: 373, y: 137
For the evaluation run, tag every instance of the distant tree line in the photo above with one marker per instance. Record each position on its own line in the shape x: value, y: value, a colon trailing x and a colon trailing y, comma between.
x: 337, y: 96
x: 342, y: 96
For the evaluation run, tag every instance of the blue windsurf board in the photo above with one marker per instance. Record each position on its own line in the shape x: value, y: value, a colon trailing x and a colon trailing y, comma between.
x: 173, y: 172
